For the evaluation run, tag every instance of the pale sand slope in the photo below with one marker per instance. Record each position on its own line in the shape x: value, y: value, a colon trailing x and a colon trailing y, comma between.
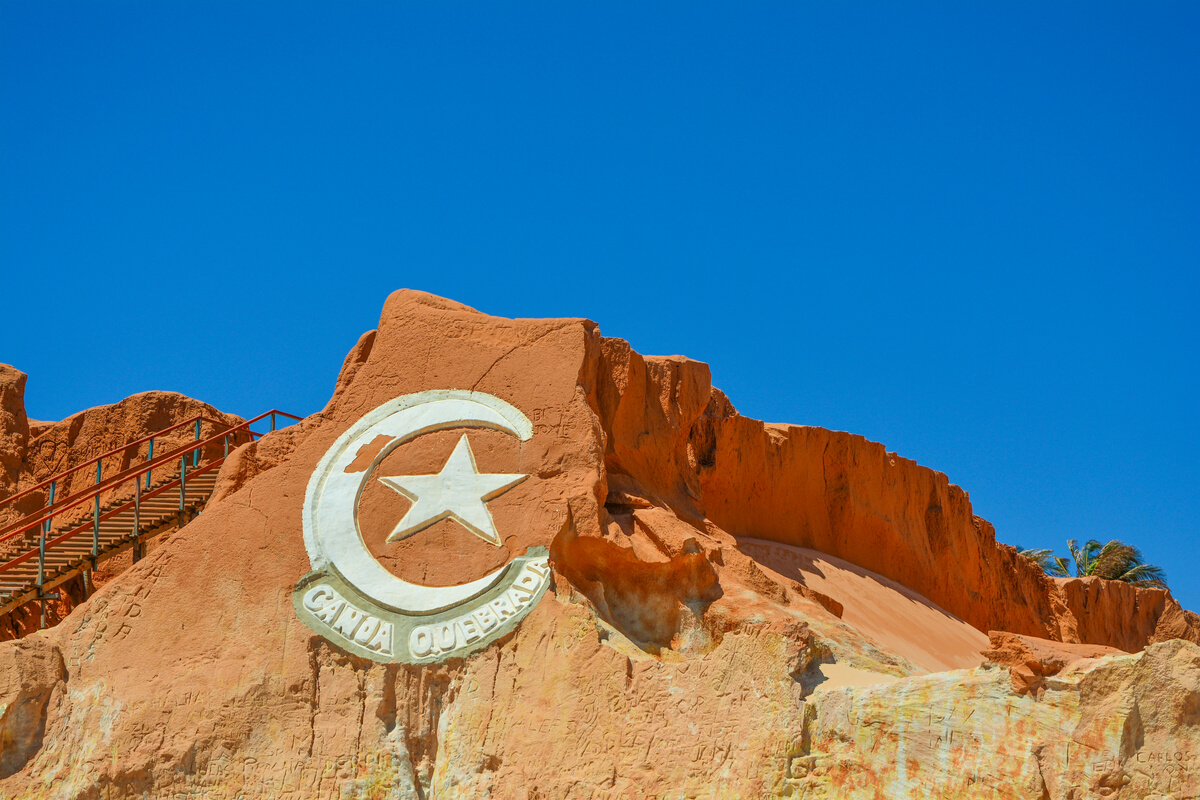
x: 839, y: 675
x: 893, y: 616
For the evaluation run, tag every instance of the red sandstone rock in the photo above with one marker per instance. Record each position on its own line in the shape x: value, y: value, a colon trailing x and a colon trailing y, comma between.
x: 1121, y: 615
x: 14, y: 433
x: 681, y: 442
x: 669, y: 658
x: 89, y: 433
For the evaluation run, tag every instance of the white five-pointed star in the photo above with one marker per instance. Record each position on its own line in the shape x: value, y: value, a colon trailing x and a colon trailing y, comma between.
x: 459, y: 492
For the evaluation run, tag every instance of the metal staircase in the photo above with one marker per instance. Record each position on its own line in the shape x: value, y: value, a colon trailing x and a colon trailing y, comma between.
x: 73, y: 536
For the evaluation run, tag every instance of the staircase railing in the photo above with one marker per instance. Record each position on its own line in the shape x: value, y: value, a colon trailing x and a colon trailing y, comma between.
x: 41, y: 521
x: 57, y: 479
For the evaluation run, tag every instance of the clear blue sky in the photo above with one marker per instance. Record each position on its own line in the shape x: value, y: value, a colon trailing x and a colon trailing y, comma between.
x: 968, y: 231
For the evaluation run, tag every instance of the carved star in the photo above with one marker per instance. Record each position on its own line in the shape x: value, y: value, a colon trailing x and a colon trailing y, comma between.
x: 459, y: 492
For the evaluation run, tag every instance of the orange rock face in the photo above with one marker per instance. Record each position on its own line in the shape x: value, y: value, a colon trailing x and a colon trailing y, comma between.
x: 14, y: 434
x: 726, y: 597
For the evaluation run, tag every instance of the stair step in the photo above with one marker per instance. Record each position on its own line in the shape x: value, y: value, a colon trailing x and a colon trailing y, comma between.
x: 86, y: 547
x: 83, y: 540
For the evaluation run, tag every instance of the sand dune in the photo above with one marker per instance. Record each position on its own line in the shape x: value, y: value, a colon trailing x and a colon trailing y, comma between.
x: 893, y: 616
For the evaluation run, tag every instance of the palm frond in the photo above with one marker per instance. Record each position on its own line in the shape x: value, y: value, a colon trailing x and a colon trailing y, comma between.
x: 1084, y: 557
x: 1145, y: 576
x: 1043, y: 557
x: 1114, y: 559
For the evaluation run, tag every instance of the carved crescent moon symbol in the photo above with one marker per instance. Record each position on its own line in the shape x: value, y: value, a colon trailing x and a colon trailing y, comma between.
x: 331, y: 532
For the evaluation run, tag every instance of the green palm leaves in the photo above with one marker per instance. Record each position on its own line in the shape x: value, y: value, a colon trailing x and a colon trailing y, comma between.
x: 1044, y: 558
x: 1114, y: 560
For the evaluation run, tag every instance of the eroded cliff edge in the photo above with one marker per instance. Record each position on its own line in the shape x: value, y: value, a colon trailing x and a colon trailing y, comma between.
x: 680, y: 440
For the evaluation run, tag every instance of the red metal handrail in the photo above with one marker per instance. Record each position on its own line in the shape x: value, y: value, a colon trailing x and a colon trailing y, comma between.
x: 55, y: 509
x: 33, y: 520
x: 112, y: 480
x: 102, y: 456
x: 87, y: 526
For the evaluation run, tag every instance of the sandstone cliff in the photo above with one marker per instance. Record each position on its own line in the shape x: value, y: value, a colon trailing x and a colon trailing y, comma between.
x: 738, y: 609
x: 682, y: 443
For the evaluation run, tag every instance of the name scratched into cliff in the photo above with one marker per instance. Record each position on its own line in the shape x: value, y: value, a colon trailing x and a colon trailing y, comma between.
x: 1176, y: 759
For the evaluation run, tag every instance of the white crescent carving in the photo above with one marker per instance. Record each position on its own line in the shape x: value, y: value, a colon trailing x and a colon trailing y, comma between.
x: 331, y: 532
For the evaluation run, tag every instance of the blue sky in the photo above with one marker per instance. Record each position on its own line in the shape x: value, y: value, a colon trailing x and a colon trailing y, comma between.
x: 968, y: 231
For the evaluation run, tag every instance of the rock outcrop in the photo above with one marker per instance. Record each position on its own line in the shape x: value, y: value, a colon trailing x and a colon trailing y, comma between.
x: 737, y: 609
x: 1120, y: 727
x: 14, y: 433
x: 1031, y: 660
x: 684, y: 444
